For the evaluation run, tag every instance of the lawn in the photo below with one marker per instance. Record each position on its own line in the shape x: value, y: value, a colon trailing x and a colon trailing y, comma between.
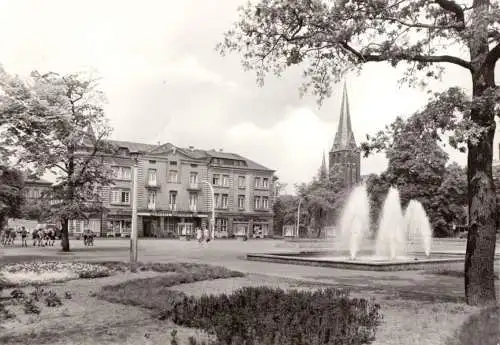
x: 120, y: 307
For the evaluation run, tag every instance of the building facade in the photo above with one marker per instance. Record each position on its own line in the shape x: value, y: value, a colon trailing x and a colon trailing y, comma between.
x: 174, y: 197
x: 35, y: 188
x: 345, y: 154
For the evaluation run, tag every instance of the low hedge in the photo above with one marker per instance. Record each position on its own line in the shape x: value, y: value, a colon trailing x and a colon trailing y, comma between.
x: 268, y: 316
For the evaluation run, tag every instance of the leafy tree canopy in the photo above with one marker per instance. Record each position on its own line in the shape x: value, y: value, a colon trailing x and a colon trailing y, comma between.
x: 56, y: 122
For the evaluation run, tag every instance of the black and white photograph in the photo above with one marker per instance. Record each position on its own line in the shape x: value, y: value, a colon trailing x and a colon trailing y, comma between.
x: 250, y: 172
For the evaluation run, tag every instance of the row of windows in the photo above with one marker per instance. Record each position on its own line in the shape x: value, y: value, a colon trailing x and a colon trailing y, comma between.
x: 124, y: 173
x: 122, y: 197
x: 223, y: 180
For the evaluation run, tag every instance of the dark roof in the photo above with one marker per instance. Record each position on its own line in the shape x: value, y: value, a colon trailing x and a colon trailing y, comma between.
x: 133, y: 147
x: 193, y: 153
x: 227, y: 155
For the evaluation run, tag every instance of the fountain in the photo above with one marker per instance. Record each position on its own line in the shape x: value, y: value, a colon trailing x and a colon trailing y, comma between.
x: 355, y: 220
x: 397, y: 231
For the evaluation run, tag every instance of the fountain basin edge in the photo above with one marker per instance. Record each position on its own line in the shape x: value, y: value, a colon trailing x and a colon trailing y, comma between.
x: 313, y: 258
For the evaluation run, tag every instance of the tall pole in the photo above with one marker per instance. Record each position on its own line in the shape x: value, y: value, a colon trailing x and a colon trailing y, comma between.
x: 298, y: 219
x: 212, y: 220
x: 133, y: 235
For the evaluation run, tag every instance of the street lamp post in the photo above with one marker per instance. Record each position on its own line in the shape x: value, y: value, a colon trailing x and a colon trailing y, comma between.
x: 133, y: 234
x: 212, y: 220
x: 298, y: 219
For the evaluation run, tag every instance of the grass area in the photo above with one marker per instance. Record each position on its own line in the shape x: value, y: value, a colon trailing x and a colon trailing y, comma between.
x: 153, y: 293
x: 452, y: 273
x: 482, y: 328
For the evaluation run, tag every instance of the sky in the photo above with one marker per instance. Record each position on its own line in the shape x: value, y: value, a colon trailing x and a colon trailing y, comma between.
x: 165, y: 82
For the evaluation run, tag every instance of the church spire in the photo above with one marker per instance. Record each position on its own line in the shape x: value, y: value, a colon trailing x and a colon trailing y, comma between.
x: 344, y: 138
x: 323, y: 172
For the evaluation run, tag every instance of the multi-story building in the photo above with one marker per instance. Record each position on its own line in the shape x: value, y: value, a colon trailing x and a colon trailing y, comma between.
x: 173, y: 193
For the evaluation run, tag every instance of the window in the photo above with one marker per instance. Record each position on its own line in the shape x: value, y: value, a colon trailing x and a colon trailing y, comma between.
x: 216, y: 180
x: 151, y: 199
x: 152, y: 162
x: 224, y: 200
x: 121, y: 173
x: 173, y: 163
x: 220, y: 224
x: 193, y: 179
x: 257, y: 182
x: 152, y: 177
x: 193, y: 201
x: 172, y: 176
x: 172, y: 199
x: 257, y: 202
x: 194, y: 165
x: 265, y: 182
x: 217, y: 200
x: 120, y: 196
x: 241, y: 202
x: 265, y: 202
x: 225, y: 180
x: 241, y: 181
x: 121, y: 226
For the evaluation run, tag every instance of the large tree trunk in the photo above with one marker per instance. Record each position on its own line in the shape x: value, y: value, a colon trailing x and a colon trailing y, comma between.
x: 65, y: 235
x: 480, y: 253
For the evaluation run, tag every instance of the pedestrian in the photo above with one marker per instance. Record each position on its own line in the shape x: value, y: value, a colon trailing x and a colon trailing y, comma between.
x: 199, y: 234
x: 206, y: 234
x: 24, y: 234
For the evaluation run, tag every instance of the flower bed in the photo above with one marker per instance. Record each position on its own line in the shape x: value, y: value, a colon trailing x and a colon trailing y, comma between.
x: 36, y: 273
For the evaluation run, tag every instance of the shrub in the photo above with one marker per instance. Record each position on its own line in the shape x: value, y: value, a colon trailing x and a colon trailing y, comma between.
x: 30, y: 307
x: 267, y: 316
x: 52, y: 300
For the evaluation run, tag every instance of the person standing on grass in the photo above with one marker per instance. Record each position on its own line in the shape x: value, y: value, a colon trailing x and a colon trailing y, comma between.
x: 206, y: 234
x: 24, y: 234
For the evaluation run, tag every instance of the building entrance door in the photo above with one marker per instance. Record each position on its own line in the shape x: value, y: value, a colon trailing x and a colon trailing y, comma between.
x: 147, y: 227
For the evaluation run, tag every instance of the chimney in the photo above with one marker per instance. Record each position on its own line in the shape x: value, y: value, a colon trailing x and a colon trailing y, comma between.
x: 220, y: 150
x: 191, y: 148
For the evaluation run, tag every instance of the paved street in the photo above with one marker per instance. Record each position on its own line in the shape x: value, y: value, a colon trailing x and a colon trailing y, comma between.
x: 230, y: 253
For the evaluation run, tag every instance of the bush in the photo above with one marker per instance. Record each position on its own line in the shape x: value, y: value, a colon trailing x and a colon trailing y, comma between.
x: 267, y: 316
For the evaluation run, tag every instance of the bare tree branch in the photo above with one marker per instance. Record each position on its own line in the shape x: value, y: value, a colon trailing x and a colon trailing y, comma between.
x: 407, y: 57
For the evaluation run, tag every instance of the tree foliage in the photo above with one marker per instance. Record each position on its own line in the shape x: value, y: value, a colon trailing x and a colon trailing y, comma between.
x: 329, y: 38
x: 11, y: 196
x: 56, y: 122
x: 323, y: 199
x: 284, y: 211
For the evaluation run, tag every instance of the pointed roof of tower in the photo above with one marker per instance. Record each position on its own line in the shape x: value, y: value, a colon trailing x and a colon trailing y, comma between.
x: 323, y: 171
x: 344, y: 139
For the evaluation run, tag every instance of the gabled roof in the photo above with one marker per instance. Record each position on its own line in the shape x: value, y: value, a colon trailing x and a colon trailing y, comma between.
x: 188, y: 152
x: 344, y: 138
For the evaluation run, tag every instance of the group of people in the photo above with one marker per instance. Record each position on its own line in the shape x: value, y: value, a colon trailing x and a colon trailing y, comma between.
x: 41, y: 237
x: 203, y: 234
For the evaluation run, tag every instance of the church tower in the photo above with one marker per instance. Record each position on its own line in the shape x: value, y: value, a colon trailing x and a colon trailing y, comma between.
x: 345, y: 154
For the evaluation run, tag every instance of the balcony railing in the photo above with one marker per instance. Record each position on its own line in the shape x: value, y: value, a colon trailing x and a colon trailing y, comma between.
x: 152, y: 184
x: 172, y: 207
x: 151, y: 206
x: 192, y: 208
